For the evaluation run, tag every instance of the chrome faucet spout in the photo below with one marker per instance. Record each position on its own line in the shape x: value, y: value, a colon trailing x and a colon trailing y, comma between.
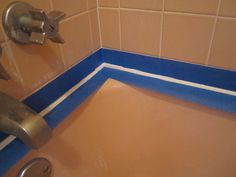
x: 21, y: 121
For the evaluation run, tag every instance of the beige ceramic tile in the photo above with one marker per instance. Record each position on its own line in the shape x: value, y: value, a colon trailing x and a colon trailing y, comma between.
x: 43, y: 4
x: 12, y: 87
x: 140, y: 31
x: 92, y: 4
x: 37, y: 63
x: 70, y: 7
x: 228, y: 8
x: 95, y: 29
x: 186, y: 37
x: 76, y: 32
x: 223, y: 51
x: 108, y: 3
x: 141, y: 4
x: 192, y: 6
x: 1, y: 32
x: 109, y: 20
x: 123, y: 131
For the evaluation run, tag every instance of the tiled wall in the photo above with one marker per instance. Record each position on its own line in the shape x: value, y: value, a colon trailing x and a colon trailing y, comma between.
x: 196, y: 31
x: 32, y: 66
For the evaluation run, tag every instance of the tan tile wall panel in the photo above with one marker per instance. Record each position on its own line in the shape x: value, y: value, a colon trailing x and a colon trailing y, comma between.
x: 141, y: 35
x: 110, y: 31
x: 184, y: 29
x: 223, y: 51
x: 37, y: 63
x: 1, y: 32
x: 228, y: 8
x: 108, y: 3
x: 14, y: 86
x: 186, y: 37
x: 141, y: 4
x: 93, y: 15
x: 192, y: 6
x: 92, y: 4
x: 32, y: 66
x: 70, y: 7
x: 81, y: 33
x: 76, y: 32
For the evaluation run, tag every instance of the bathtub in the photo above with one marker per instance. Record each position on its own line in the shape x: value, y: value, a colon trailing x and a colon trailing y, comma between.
x: 126, y: 131
x: 130, y: 121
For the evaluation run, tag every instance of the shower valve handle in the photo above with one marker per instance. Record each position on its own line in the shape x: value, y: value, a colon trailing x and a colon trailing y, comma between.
x: 48, y: 26
x: 25, y: 24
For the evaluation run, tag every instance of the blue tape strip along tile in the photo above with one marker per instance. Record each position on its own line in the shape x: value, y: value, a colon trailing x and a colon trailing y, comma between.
x: 52, y: 91
x: 16, y: 150
x: 189, y: 72
x: 40, y: 100
x: 48, y: 94
x: 223, y: 102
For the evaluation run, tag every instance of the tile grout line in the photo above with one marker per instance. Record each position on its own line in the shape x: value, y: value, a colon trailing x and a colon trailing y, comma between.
x: 51, y: 5
x: 212, y: 34
x: 5, y: 37
x: 62, y: 56
x: 227, y: 18
x: 90, y: 27
x: 60, y: 46
x: 120, y: 37
x: 99, y: 23
x: 161, y: 30
x: 170, y: 12
x: 130, y: 9
x: 189, y: 14
x: 77, y: 15
x: 74, y: 16
x: 90, y: 32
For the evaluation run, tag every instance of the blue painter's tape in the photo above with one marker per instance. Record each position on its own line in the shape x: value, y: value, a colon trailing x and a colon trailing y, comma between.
x: 2, y: 136
x: 204, y: 75
x: 11, y: 155
x: 48, y: 94
x: 52, y: 91
x: 16, y: 150
x: 58, y: 114
x: 189, y: 72
x: 223, y: 102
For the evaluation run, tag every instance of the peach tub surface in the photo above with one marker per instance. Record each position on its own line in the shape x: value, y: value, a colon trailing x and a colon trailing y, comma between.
x: 123, y: 131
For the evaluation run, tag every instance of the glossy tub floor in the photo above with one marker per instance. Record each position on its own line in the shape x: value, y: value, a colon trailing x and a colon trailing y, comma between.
x: 122, y: 131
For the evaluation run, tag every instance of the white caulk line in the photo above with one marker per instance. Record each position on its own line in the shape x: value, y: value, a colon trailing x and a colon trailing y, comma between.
x: 6, y: 141
x: 170, y: 79
x: 70, y: 91
x: 11, y: 138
